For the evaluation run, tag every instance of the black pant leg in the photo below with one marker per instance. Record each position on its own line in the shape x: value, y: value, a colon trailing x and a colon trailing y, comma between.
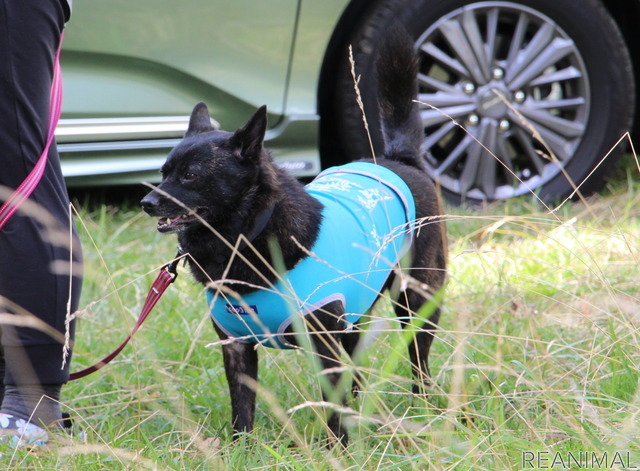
x: 29, y: 36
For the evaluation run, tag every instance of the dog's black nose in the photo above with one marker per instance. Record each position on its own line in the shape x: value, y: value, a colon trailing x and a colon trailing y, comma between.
x: 149, y: 203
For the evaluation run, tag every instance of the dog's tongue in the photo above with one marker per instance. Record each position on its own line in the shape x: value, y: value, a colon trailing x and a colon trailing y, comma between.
x: 164, y: 224
x: 169, y: 224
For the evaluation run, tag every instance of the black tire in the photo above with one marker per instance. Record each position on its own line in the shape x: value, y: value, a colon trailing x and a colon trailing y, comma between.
x: 579, y: 104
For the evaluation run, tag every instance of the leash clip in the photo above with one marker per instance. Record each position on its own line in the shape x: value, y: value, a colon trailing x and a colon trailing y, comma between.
x: 172, y: 267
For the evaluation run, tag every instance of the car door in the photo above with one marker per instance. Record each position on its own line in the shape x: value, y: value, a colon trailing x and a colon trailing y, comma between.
x: 134, y: 70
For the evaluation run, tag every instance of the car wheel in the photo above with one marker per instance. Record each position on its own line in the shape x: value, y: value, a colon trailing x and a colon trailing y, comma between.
x: 516, y: 97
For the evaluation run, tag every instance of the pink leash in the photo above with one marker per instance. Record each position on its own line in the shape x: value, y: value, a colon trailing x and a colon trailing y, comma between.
x: 166, y: 276
x: 25, y: 189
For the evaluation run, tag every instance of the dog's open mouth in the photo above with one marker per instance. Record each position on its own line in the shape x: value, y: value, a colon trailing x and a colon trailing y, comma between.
x: 177, y: 223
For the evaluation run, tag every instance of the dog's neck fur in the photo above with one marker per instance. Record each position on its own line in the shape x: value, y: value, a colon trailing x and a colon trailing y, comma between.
x: 294, y: 223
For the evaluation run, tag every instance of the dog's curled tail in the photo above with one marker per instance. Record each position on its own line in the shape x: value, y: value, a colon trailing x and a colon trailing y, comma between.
x: 397, y: 69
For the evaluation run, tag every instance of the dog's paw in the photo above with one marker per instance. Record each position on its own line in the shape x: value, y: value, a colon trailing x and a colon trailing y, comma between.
x: 421, y: 388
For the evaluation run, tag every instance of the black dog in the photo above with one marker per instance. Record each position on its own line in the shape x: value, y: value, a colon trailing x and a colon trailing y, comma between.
x: 239, y: 215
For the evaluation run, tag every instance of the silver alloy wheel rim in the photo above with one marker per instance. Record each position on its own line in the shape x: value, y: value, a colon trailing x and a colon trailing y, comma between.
x: 509, y: 77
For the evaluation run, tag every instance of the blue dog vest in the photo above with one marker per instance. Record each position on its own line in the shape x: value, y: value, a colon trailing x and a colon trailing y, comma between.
x: 367, y: 225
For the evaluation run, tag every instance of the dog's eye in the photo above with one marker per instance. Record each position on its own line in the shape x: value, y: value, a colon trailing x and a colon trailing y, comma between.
x: 189, y: 176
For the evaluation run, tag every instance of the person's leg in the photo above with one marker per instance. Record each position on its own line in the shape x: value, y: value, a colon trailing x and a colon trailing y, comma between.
x: 34, y: 262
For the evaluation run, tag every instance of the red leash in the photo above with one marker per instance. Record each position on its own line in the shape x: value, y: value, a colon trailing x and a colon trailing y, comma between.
x: 167, y: 275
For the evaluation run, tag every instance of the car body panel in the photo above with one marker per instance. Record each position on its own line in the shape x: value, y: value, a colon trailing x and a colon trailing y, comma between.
x: 154, y: 61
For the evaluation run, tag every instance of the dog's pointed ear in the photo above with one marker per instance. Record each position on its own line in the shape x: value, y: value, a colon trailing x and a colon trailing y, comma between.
x: 199, y: 121
x: 249, y: 138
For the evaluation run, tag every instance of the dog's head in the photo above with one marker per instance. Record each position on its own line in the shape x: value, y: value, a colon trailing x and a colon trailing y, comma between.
x: 207, y: 173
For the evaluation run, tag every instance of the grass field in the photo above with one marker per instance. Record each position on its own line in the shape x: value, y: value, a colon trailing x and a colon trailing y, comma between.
x: 535, y: 362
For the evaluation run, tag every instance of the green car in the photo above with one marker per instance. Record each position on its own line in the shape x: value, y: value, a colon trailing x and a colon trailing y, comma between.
x: 517, y: 97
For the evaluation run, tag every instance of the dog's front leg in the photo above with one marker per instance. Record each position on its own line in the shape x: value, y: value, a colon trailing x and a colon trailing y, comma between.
x: 241, y: 367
